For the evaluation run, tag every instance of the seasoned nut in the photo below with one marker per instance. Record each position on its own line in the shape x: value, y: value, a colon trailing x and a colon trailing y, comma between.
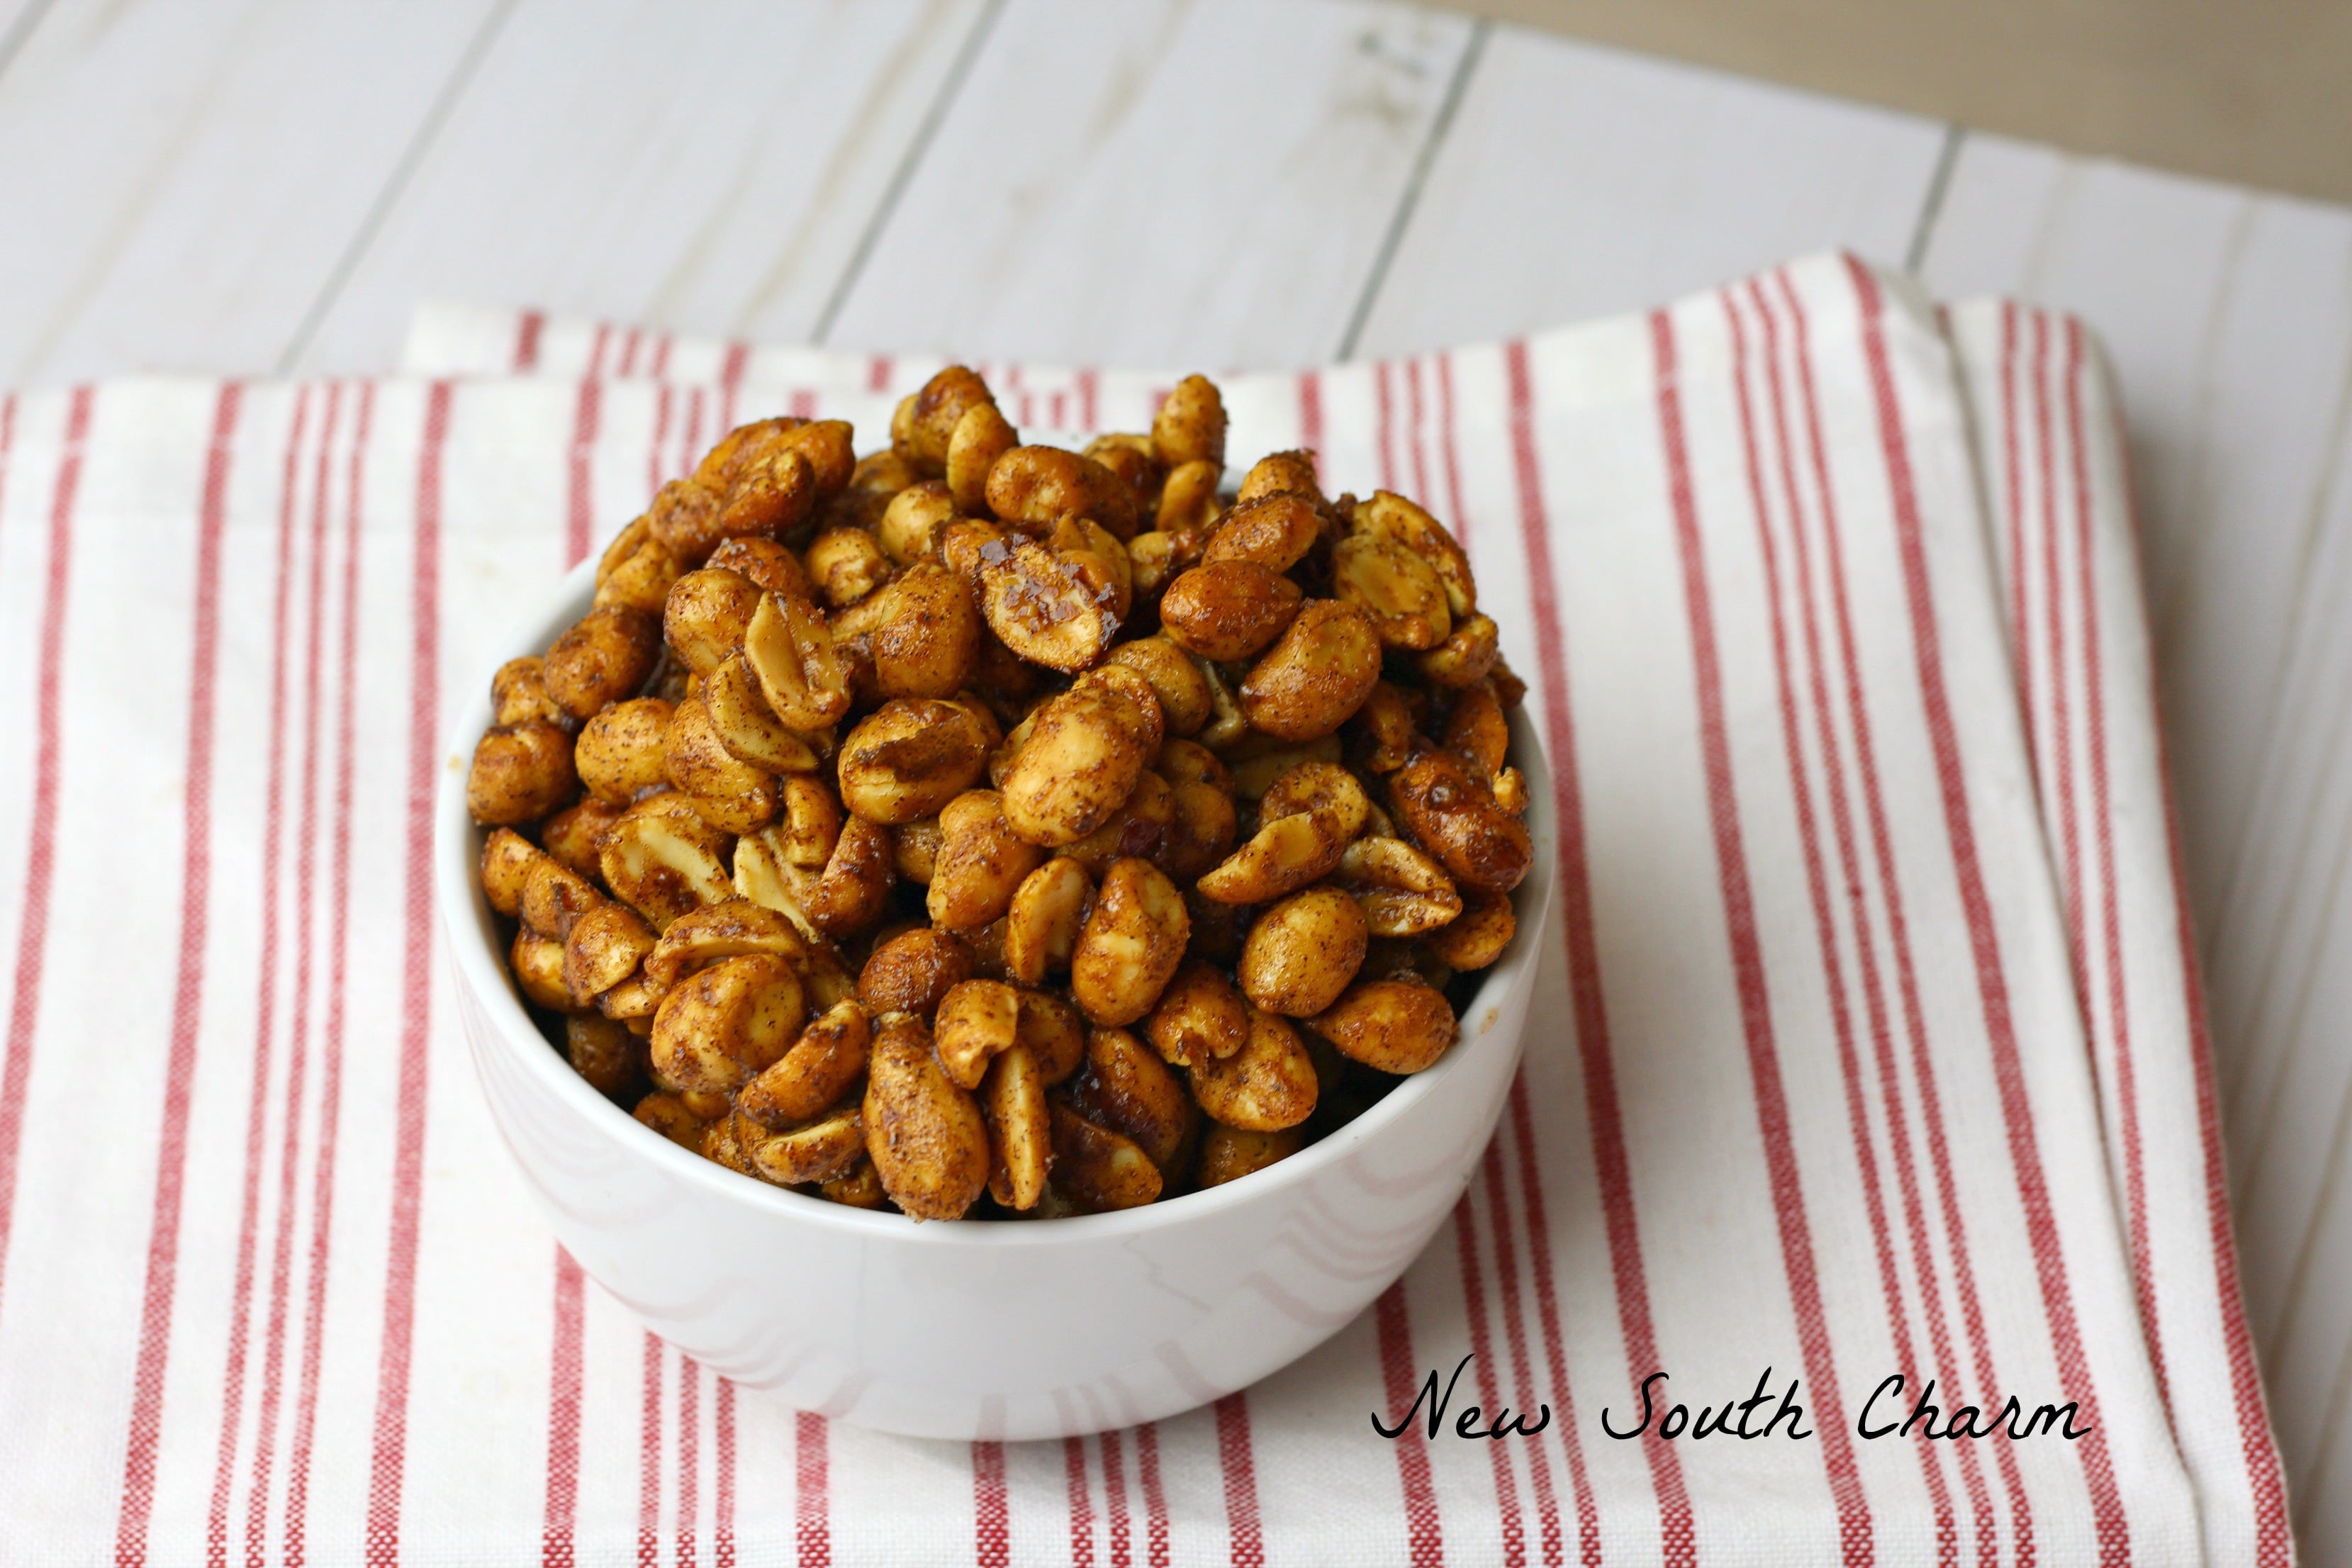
x: 1131, y: 459
x: 1054, y: 1032
x: 519, y: 695
x: 1202, y: 822
x: 1078, y: 764
x: 732, y: 795
x: 1126, y: 1089
x: 1256, y: 760
x: 1043, y: 920
x: 722, y: 1145
x: 915, y: 524
x: 853, y: 891
x: 1380, y: 737
x: 819, y: 1068
x: 909, y: 758
x: 1130, y: 945
x: 857, y: 1187
x: 554, y: 896
x: 748, y: 728
x: 663, y: 860
x: 1395, y: 1026
x: 1303, y: 951
x: 1228, y: 610
x: 1282, y: 471
x: 601, y: 1051
x: 1155, y: 560
x: 1191, y: 424
x: 1096, y: 1170
x: 507, y: 861
x: 705, y: 617
x: 924, y: 1134
x: 1177, y: 683
x: 1450, y: 810
x: 915, y: 848
x: 667, y: 1115
x: 926, y: 422
x: 637, y: 569
x: 912, y: 970
x: 981, y: 437
x: 817, y: 1152
x: 604, y: 657
x: 1057, y: 608
x: 1137, y: 830
x: 575, y: 835
x: 1397, y: 519
x: 1464, y: 658
x: 1266, y: 1085
x: 1020, y: 1129
x: 1312, y: 681
x: 1306, y: 822
x: 725, y: 1023
x: 767, y: 563
x: 1402, y: 891
x: 845, y: 564
x: 1395, y: 586
x: 605, y: 946
x: 1229, y: 1153
x: 979, y: 863
x: 791, y: 654
x: 1200, y: 1015
x: 1039, y: 485
x: 1227, y: 724
x: 537, y: 964
x: 1189, y: 503
x: 1274, y: 531
x: 1478, y: 936
x: 921, y: 634
x: 520, y: 773
x: 703, y: 937
x: 978, y: 1020
x: 619, y: 753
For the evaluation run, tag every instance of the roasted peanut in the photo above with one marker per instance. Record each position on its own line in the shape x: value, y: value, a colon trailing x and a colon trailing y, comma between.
x: 1057, y: 608
x: 575, y: 835
x: 767, y: 563
x: 1303, y: 951
x: 1181, y: 691
x: 1020, y: 1129
x: 915, y: 524
x: 732, y: 795
x: 909, y: 758
x: 979, y: 863
x: 816, y: 1072
x: 1043, y: 920
x: 926, y: 422
x: 554, y: 897
x: 507, y: 861
x: 1380, y: 737
x: 791, y: 654
x: 604, y: 657
x: 538, y: 962
x: 1130, y: 944
x: 637, y: 569
x: 1227, y: 724
x: 619, y: 753
x: 1451, y: 811
x: 1465, y: 656
x: 1097, y: 1170
x: 725, y: 1023
x: 1266, y: 1085
x: 1396, y: 587
x: 722, y: 1145
x: 705, y: 617
x: 662, y: 860
x: 1138, y: 830
x: 703, y: 937
x: 1191, y: 424
x: 1077, y: 766
x: 915, y: 850
x: 857, y: 1187
x: 1279, y: 471
x: 1274, y: 530
x: 1395, y: 1026
x: 845, y: 564
x: 519, y: 695
x: 1307, y: 820
x: 748, y: 728
x: 921, y: 634
x: 667, y: 1115
x: 1127, y: 1088
x: 1039, y: 485
x: 1200, y: 1015
x: 1228, y: 610
x: 925, y: 1135
x: 853, y: 891
x: 1202, y: 823
x: 1478, y: 937
x: 1395, y: 518
x: 981, y: 437
x: 912, y: 970
x: 817, y: 1152
x: 1402, y: 891
x: 977, y: 1020
x: 1256, y: 760
x: 604, y: 947
x: 603, y: 1052
x: 1189, y: 503
x: 520, y: 773
x: 1314, y: 678
x: 1228, y: 1154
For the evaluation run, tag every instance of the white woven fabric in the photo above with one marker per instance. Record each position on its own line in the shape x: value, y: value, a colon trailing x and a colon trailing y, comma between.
x: 1870, y: 1047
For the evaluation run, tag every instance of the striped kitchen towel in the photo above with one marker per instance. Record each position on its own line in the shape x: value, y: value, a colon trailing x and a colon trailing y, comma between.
x: 1870, y: 1049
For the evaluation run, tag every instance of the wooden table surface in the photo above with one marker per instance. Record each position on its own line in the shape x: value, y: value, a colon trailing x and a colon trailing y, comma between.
x: 267, y: 185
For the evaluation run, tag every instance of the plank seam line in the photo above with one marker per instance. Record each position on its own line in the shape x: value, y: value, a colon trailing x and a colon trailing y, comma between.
x: 412, y: 158
x: 19, y: 31
x: 950, y: 88
x: 1932, y: 208
x: 1399, y: 220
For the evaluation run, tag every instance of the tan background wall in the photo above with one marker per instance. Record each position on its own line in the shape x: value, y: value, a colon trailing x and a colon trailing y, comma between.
x: 2258, y: 92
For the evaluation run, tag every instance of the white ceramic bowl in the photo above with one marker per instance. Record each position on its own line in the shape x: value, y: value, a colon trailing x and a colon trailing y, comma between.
x: 975, y: 1328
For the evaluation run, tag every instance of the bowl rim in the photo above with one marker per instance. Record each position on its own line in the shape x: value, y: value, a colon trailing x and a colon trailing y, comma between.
x: 466, y: 916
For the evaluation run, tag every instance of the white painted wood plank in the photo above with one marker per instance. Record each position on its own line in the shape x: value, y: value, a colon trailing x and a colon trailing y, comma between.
x: 1159, y: 183
x: 1579, y: 181
x: 704, y: 167
x: 180, y: 181
x: 2228, y: 314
